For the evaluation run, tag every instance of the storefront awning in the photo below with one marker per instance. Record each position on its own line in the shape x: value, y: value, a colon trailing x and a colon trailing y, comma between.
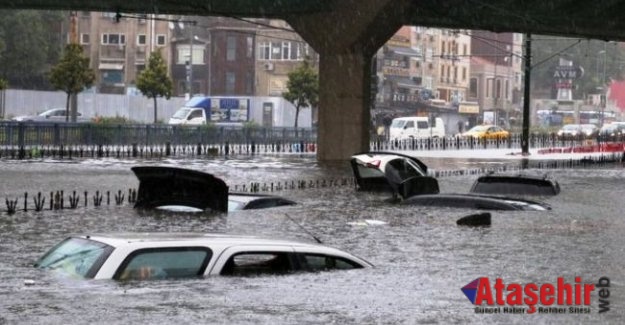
x: 404, y: 82
x: 468, y: 109
x: 111, y: 66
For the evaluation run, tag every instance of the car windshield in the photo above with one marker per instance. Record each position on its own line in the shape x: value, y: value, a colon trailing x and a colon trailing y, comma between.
x: 76, y: 257
x: 398, y: 123
x: 181, y: 113
x: 50, y: 112
x: 479, y: 128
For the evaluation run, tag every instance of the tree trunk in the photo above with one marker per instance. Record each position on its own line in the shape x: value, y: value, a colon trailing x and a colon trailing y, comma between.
x: 69, y: 96
x: 155, y: 117
x: 297, y: 107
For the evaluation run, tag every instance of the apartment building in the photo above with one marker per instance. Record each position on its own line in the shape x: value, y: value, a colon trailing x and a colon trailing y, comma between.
x: 118, y: 47
x: 496, y: 75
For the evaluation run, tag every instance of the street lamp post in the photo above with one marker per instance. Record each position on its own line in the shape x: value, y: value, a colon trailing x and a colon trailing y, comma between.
x: 602, y: 95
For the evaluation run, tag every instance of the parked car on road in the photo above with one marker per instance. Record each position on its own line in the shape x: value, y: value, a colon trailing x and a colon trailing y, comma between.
x: 51, y: 115
x: 150, y: 256
x: 486, y: 132
x: 578, y: 132
x: 612, y: 132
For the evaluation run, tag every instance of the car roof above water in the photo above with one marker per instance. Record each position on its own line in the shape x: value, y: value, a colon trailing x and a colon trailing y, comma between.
x: 166, y: 238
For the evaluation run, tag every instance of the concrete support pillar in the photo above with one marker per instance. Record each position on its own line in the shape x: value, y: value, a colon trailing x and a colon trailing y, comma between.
x: 344, y: 117
x: 346, y: 39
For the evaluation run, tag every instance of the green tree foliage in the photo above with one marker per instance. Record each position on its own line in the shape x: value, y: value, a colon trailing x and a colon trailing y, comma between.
x: 154, y: 82
x: 592, y: 55
x: 302, y: 88
x: 3, y: 84
x: 31, y: 41
x: 72, y: 74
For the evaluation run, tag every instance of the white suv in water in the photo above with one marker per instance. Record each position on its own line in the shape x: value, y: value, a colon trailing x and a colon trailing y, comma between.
x: 145, y: 256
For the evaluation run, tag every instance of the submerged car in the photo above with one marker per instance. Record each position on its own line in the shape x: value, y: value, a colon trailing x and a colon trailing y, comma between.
x: 486, y: 132
x: 148, y: 256
x: 519, y: 184
x: 475, y: 201
x: 51, y: 115
x: 179, y: 189
x: 387, y: 171
x: 405, y: 177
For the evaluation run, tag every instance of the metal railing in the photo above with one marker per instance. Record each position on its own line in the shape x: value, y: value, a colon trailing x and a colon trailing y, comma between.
x: 23, y: 134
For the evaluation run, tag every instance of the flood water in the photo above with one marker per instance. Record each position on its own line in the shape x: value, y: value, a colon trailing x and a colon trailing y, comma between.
x: 422, y: 258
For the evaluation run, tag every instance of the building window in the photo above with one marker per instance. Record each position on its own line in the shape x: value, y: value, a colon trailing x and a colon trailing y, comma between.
x: 464, y: 73
x: 507, y: 89
x: 464, y: 49
x: 141, y: 39
x: 249, y: 82
x: 160, y: 40
x: 231, y: 48
x: 230, y: 82
x: 113, y: 39
x: 473, y: 88
x: 489, y: 87
x: 498, y: 90
x: 250, y: 47
x: 183, y: 50
x: 276, y: 53
x: 84, y: 39
x: 264, y: 51
x: 286, y: 50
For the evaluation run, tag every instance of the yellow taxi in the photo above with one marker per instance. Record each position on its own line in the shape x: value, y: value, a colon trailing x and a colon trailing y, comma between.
x: 486, y: 132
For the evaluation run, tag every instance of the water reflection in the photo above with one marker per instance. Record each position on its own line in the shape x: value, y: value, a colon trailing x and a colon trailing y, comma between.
x: 422, y: 258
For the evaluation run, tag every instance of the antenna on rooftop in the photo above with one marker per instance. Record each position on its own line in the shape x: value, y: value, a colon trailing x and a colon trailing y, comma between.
x: 304, y: 229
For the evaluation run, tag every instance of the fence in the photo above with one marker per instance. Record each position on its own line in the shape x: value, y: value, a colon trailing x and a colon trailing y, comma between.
x: 39, y: 134
x: 31, y: 140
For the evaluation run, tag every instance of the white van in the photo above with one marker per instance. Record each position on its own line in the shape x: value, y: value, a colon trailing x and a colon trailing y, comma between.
x: 416, y: 127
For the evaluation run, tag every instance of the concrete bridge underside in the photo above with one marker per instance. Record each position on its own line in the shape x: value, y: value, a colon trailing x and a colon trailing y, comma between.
x: 346, y: 34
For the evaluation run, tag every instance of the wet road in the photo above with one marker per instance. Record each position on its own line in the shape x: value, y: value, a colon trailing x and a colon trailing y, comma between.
x: 422, y: 258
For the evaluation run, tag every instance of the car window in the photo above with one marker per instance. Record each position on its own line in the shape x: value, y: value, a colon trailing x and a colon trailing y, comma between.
x: 195, y: 114
x: 257, y: 263
x: 76, y: 257
x: 422, y: 124
x: 320, y: 262
x: 160, y: 263
x: 409, y: 125
x: 403, y: 168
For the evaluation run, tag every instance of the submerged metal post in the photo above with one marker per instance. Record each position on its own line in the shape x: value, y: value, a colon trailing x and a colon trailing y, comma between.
x: 526, y: 96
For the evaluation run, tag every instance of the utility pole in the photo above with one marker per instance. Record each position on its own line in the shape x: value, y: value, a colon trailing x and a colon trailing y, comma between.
x: 73, y: 102
x: 526, y: 96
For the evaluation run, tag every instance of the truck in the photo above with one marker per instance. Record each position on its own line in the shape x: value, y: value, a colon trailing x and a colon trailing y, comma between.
x: 266, y: 111
x: 416, y: 127
x: 200, y: 110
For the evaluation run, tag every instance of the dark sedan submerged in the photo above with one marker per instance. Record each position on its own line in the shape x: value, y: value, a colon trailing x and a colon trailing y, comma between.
x: 180, y: 189
x: 406, y: 177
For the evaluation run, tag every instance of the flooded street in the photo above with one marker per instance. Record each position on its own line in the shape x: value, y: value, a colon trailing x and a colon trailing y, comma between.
x: 422, y: 258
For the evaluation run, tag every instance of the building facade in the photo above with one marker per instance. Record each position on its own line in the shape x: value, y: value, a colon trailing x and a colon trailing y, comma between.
x: 496, y: 76
x: 118, y: 47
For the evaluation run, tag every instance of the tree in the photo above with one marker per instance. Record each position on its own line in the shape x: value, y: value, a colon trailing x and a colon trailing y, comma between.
x: 31, y: 42
x: 303, y: 88
x: 153, y: 82
x: 72, y: 74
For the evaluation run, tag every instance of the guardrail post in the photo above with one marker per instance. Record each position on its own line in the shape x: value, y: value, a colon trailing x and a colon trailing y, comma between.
x: 21, y: 141
x: 57, y: 135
